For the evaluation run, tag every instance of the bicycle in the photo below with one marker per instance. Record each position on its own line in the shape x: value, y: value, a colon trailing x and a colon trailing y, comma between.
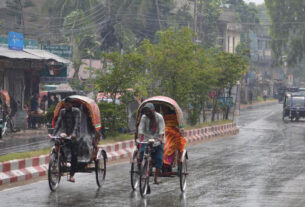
x: 147, y: 165
x: 60, y: 164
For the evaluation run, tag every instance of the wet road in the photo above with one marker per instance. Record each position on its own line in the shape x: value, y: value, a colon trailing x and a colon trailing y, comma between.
x: 264, y: 165
x: 13, y: 145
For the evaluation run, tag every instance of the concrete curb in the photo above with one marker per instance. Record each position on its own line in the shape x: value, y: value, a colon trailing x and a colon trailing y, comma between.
x: 25, y: 169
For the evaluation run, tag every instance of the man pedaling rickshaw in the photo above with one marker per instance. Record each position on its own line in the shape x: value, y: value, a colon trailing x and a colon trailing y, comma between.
x: 152, y: 126
x: 69, y: 122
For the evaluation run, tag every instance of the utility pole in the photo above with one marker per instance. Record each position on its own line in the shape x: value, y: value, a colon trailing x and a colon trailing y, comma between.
x: 158, y: 13
x: 108, y: 6
x: 195, y: 17
x: 200, y: 21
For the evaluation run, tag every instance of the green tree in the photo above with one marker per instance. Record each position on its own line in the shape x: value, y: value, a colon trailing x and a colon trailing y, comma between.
x: 16, y: 9
x: 81, y: 41
x: 230, y: 69
x: 208, y: 14
x: 170, y: 63
x: 122, y: 73
x: 287, y: 29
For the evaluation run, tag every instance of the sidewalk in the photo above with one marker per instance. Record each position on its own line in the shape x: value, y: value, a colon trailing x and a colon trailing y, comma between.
x: 258, y: 103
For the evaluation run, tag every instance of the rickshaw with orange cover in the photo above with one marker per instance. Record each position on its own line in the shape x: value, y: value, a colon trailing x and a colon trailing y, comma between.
x: 90, y: 158
x: 175, y: 155
x: 6, y: 123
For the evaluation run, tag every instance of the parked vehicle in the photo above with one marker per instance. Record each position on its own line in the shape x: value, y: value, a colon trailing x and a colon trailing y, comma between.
x: 294, y: 106
x: 7, y: 126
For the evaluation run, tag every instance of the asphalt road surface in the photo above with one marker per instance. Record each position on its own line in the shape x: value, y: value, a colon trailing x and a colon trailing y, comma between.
x: 264, y: 165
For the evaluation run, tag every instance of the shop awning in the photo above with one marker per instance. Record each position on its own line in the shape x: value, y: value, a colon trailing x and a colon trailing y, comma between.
x: 31, y: 54
x: 14, y: 54
x: 45, y: 55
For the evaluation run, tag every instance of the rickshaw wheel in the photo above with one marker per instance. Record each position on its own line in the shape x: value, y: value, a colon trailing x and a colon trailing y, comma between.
x: 54, y: 172
x: 183, y: 174
x: 144, y: 178
x: 100, y: 171
x: 134, y: 172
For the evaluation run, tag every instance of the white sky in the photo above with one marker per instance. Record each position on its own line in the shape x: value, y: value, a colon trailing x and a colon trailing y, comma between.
x: 255, y: 1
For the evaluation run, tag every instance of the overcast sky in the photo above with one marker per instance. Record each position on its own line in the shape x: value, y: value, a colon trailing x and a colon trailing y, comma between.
x: 255, y: 1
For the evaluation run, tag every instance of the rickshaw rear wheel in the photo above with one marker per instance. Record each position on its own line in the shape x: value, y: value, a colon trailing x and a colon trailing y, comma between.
x: 134, y: 172
x: 183, y: 174
x: 144, y: 178
x: 100, y: 171
x: 54, y: 172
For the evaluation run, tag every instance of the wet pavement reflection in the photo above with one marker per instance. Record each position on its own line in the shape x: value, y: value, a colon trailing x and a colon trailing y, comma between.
x: 13, y: 145
x: 264, y: 165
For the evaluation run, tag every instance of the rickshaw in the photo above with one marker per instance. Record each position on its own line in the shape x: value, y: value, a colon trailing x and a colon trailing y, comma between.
x: 89, y: 157
x: 294, y: 106
x: 142, y: 170
x: 5, y: 110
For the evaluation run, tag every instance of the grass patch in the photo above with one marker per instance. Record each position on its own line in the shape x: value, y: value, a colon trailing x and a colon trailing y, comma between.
x: 118, y: 138
x: 207, y: 124
x: 24, y: 155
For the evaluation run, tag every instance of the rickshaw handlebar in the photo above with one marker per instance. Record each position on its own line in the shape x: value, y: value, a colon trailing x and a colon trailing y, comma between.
x: 59, y: 137
x: 147, y: 142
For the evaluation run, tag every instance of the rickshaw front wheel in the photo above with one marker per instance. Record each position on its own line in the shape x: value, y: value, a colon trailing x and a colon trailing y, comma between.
x: 100, y: 171
x: 144, y: 178
x: 134, y: 171
x: 54, y: 172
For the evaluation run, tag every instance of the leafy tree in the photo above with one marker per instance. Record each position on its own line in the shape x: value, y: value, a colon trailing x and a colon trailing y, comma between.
x: 16, y: 9
x: 287, y: 29
x: 81, y: 41
x: 170, y: 63
x: 230, y: 69
x: 122, y: 74
x: 208, y: 14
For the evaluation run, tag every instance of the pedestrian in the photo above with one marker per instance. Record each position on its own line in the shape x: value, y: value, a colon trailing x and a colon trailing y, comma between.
x: 44, y: 103
x: 250, y: 96
x: 265, y: 93
x: 33, y: 110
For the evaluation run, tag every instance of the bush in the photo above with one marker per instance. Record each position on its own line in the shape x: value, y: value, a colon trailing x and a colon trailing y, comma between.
x: 50, y: 113
x: 259, y: 98
x: 114, y: 117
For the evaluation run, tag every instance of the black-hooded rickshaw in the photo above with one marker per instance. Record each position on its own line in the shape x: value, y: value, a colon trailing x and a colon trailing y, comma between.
x: 90, y: 158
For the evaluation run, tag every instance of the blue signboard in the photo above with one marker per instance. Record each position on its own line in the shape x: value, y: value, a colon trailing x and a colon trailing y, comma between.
x: 15, y: 41
x: 225, y: 101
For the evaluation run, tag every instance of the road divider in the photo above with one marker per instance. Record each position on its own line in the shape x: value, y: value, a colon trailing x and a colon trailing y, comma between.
x: 25, y: 169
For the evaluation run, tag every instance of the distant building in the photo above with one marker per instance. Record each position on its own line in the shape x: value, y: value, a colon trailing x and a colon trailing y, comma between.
x: 229, y: 31
x: 87, y: 70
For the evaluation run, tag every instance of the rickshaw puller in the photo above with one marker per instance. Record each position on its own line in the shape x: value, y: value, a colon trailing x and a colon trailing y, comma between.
x: 69, y: 122
x: 152, y: 125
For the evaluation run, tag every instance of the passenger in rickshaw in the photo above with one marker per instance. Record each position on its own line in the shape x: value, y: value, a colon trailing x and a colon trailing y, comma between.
x: 174, y: 139
x: 69, y: 122
x: 152, y: 126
